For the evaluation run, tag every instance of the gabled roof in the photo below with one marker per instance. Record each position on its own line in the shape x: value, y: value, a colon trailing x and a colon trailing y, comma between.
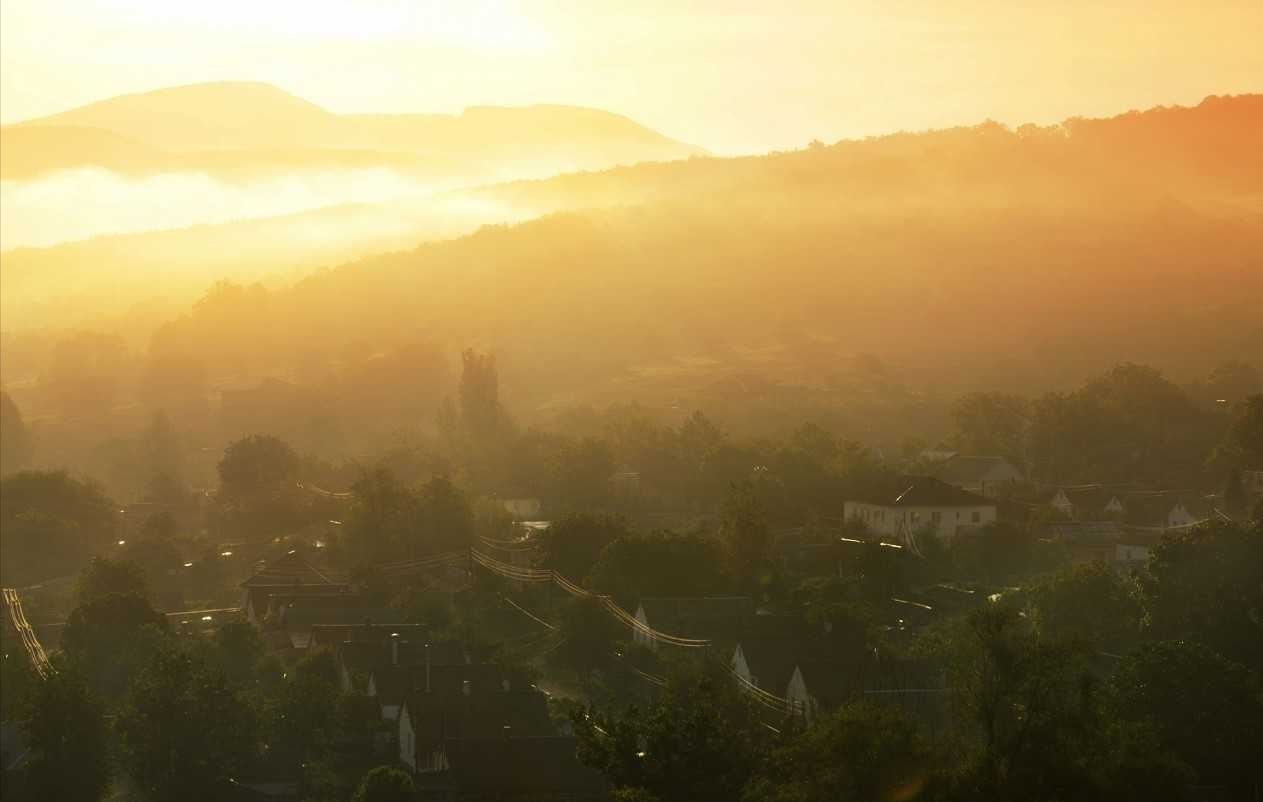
x: 394, y: 683
x: 925, y: 491
x: 518, y: 768
x: 368, y: 650
x: 435, y: 716
x: 290, y: 571
x: 959, y: 469
x: 300, y: 621
x: 698, y: 616
x: 772, y: 662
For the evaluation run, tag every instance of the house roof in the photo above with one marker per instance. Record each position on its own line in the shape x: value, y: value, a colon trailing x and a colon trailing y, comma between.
x: 318, y: 596
x: 925, y: 491
x: 959, y: 469
x: 290, y: 571
x: 698, y: 616
x: 514, y: 766
x: 1149, y: 508
x: 299, y: 621
x: 373, y: 651
x: 772, y: 662
x: 394, y: 683
x: 435, y: 716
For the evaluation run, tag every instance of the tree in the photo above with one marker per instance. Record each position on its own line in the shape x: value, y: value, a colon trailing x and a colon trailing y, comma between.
x: 238, y: 650
x: 446, y: 518
x: 257, y: 464
x: 15, y: 438
x: 572, y: 545
x: 110, y: 637
x: 385, y: 784
x: 184, y: 734
x: 382, y: 513
x: 50, y: 524
x: 104, y: 576
x: 699, y: 743
x: 992, y: 424
x: 257, y: 484
x: 743, y: 528
x: 1030, y: 702
x: 480, y: 410
x: 590, y: 633
x: 659, y: 564
x: 1205, y: 709
x: 66, y: 734
x: 1206, y: 585
x: 1242, y: 444
x: 1092, y: 602
x: 861, y: 752
x: 163, y: 460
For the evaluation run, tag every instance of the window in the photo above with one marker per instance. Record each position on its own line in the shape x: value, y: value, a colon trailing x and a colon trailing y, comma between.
x: 977, y: 516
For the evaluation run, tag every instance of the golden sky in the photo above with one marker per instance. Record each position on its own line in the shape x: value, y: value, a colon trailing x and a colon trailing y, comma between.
x: 730, y: 75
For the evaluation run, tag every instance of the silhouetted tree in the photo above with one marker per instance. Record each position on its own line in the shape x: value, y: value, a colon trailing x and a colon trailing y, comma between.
x: 15, y: 438
x: 385, y: 784
x: 184, y: 734
x: 67, y: 738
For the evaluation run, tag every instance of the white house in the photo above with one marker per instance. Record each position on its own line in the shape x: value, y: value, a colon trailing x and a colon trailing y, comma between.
x: 916, y: 504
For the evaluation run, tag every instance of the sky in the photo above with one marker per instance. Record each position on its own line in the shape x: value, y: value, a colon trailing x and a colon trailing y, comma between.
x: 729, y: 75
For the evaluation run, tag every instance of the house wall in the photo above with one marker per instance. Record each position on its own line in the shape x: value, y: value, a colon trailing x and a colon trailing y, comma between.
x: 897, y: 521
x: 637, y: 635
x: 797, y: 693
x: 407, y: 740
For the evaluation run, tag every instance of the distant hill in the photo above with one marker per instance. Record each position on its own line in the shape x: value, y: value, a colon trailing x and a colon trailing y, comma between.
x: 240, y: 125
x: 989, y: 256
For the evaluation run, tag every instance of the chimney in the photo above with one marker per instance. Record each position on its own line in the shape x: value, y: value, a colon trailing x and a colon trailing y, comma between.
x: 465, y: 688
x: 394, y: 648
x: 427, y: 668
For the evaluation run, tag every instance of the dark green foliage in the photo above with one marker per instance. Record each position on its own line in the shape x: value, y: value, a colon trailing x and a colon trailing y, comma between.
x: 699, y: 743
x: 1205, y: 709
x: 1242, y: 444
x: 50, y: 525
x: 1206, y: 585
x: 184, y: 734
x: 104, y: 576
x: 860, y: 753
x: 572, y: 545
x: 66, y: 731
x: 389, y: 521
x: 385, y: 784
x: 1129, y: 424
x: 660, y: 564
x: 1093, y: 602
x: 992, y: 424
x: 743, y: 528
x: 258, y: 490
x: 110, y: 637
x: 15, y: 439
x: 590, y: 635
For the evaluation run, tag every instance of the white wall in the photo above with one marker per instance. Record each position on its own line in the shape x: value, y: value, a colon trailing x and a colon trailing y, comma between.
x: 895, y: 521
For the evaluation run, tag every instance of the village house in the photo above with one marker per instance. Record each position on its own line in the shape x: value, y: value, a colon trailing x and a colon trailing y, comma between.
x: 915, y: 504
x: 290, y: 574
x: 987, y: 476
x: 359, y: 654
x: 390, y: 685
